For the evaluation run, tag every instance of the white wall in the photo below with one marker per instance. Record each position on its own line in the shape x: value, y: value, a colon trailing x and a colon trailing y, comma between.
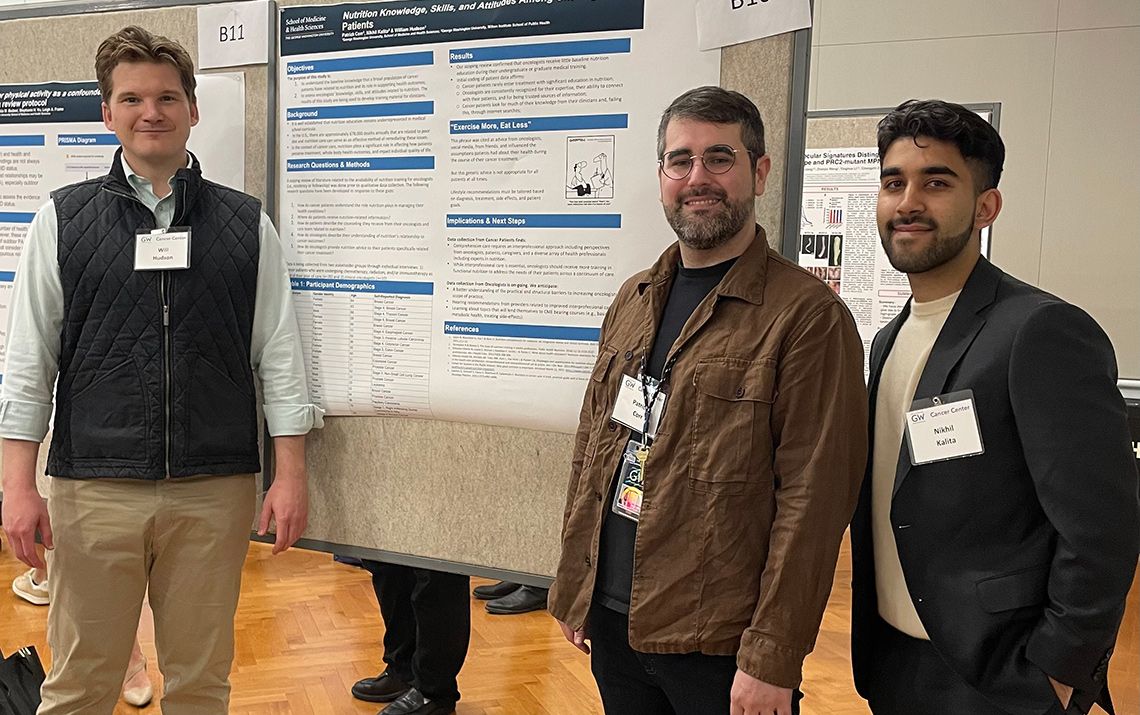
x: 1067, y: 74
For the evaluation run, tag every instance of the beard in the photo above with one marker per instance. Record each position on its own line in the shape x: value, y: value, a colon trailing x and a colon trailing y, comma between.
x: 709, y: 229
x: 942, y: 247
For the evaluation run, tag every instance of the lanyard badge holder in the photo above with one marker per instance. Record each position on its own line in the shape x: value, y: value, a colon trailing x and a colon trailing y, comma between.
x: 630, y: 491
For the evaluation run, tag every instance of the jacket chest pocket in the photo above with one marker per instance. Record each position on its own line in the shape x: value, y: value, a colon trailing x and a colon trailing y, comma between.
x: 731, y: 438
x: 597, y: 400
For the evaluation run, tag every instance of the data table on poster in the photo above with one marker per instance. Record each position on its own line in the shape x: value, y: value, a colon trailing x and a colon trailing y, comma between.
x: 367, y: 344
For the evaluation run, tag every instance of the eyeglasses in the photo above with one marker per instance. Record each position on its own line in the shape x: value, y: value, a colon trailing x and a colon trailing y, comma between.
x: 717, y: 159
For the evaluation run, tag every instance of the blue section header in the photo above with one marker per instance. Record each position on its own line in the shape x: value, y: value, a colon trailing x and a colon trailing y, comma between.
x: 534, y: 220
x: 87, y: 140
x: 22, y: 140
x: 506, y: 330
x: 52, y: 102
x: 354, y: 285
x: 356, y: 111
x: 350, y: 64
x: 7, y: 276
x: 539, y: 124
x: 376, y: 163
x: 546, y: 49
x: 15, y: 217
x: 361, y: 26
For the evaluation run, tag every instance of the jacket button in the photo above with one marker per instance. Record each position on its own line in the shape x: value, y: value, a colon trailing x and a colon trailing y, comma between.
x: 598, y: 496
x: 628, y: 354
x: 587, y: 560
x: 740, y: 392
x: 613, y: 426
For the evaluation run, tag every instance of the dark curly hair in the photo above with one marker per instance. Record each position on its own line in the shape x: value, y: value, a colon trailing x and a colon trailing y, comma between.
x: 976, y: 139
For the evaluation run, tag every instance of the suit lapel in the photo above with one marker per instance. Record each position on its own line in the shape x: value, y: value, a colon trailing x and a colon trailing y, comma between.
x: 962, y: 326
x: 880, y: 348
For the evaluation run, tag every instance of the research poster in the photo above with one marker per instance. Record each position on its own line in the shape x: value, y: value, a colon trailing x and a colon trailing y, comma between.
x: 52, y: 134
x: 839, y: 237
x: 464, y: 186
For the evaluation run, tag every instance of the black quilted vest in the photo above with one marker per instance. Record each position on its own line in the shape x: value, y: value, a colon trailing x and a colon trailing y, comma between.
x: 147, y: 391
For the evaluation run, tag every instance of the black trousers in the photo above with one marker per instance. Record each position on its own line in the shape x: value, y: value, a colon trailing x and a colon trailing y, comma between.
x: 911, y: 678
x: 634, y: 683
x: 427, y: 626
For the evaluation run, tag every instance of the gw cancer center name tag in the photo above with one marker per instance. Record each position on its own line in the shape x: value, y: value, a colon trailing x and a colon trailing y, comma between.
x: 943, y: 427
x: 162, y: 249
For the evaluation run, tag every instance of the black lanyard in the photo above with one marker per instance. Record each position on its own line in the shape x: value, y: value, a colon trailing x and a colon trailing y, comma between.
x: 651, y: 400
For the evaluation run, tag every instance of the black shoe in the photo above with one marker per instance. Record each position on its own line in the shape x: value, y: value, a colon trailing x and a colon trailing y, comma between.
x: 524, y: 600
x: 413, y: 703
x: 494, y: 590
x: 384, y: 688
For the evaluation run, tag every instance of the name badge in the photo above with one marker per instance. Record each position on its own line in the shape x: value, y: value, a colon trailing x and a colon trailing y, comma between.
x: 163, y: 249
x: 631, y: 482
x: 943, y: 427
x: 629, y: 409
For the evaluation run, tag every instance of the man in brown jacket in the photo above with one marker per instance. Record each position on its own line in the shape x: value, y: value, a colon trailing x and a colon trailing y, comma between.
x: 699, y: 543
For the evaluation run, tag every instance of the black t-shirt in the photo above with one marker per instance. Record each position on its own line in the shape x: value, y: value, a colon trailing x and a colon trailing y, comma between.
x: 615, y: 549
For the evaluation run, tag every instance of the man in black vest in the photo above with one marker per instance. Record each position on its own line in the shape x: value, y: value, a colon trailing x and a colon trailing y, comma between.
x: 149, y: 297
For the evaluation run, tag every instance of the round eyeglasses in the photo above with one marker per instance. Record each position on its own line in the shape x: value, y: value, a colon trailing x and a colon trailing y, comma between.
x: 717, y: 159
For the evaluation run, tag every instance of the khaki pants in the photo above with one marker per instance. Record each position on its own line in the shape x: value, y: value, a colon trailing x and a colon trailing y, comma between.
x: 185, y: 540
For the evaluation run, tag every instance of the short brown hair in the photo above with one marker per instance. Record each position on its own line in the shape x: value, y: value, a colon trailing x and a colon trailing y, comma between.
x: 134, y: 44
x: 718, y: 106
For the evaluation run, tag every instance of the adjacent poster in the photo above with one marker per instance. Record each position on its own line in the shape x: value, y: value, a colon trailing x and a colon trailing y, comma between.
x: 52, y: 134
x: 839, y: 237
x: 463, y: 188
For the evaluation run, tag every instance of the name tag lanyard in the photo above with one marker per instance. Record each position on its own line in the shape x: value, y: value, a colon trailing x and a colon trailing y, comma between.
x: 630, y: 490
x: 649, y: 395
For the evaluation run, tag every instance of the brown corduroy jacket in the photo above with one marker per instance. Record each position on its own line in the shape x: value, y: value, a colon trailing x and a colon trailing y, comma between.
x: 752, y: 478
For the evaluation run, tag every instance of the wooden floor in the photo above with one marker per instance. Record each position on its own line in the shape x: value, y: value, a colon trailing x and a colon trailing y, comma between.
x: 308, y: 628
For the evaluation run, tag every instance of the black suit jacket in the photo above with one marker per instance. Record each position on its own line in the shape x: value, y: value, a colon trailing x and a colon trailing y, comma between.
x: 1019, y: 559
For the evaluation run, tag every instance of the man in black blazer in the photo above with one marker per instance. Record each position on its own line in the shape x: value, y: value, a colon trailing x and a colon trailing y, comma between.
x: 997, y: 529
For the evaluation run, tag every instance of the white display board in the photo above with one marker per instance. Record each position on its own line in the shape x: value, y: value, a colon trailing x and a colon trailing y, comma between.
x: 52, y: 134
x: 463, y: 188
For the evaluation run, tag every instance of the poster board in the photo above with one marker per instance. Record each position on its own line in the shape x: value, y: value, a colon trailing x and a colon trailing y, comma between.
x: 461, y: 200
x: 488, y: 498
x: 468, y: 497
